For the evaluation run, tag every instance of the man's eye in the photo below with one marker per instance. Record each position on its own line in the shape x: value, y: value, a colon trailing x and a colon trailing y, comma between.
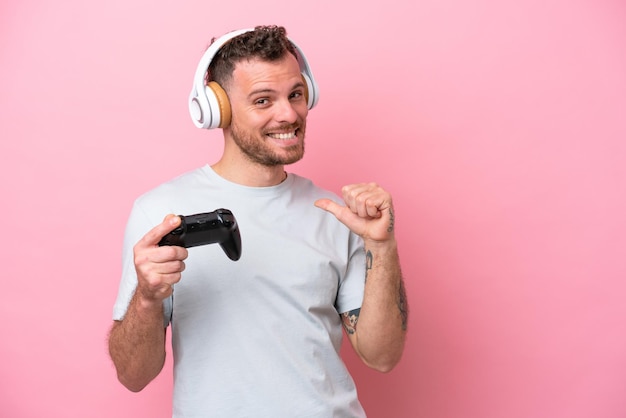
x: 261, y: 102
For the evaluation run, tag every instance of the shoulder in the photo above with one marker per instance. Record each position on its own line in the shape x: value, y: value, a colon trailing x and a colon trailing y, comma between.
x: 171, y: 196
x: 178, y: 186
x: 308, y: 188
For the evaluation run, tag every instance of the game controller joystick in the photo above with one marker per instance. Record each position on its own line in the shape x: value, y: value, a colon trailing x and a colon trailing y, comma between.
x: 219, y: 226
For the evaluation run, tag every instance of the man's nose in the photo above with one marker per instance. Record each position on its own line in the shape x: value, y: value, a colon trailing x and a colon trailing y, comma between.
x: 286, y: 112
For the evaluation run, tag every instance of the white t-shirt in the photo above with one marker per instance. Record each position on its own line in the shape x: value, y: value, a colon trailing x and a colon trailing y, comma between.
x: 259, y: 337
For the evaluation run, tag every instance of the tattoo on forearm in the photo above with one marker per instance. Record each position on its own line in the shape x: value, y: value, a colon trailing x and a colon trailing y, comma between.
x: 392, y: 220
x: 369, y: 259
x: 350, y: 319
x: 403, y: 306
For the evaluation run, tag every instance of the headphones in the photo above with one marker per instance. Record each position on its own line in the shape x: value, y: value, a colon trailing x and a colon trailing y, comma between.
x: 208, y: 104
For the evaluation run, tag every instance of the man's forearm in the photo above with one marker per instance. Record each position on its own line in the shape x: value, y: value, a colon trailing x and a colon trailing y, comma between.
x: 137, y: 344
x: 382, y: 321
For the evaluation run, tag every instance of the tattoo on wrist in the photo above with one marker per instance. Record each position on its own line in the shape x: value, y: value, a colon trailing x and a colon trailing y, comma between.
x: 403, y: 305
x: 392, y: 220
x: 350, y: 319
x: 369, y: 260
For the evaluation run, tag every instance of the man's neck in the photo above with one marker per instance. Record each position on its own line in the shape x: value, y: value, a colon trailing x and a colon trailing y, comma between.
x: 251, y: 175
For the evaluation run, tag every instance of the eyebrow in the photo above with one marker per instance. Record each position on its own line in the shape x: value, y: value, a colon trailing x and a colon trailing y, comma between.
x: 260, y: 91
x: 297, y: 85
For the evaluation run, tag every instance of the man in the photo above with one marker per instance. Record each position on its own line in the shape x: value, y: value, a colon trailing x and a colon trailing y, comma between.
x: 260, y: 337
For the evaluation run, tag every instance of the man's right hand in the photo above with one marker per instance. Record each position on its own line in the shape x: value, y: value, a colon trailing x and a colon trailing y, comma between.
x: 158, y: 268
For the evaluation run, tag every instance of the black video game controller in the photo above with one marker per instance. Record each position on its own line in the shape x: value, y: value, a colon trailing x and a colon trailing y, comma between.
x: 219, y: 226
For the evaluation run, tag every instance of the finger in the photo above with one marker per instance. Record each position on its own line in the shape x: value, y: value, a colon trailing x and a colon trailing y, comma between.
x: 365, y: 199
x: 343, y: 215
x: 327, y: 204
x: 332, y: 207
x: 373, y: 206
x: 152, y: 258
x: 350, y: 194
x: 172, y: 267
x: 156, y: 278
x: 352, y: 190
x: 367, y: 205
x: 153, y: 236
x: 166, y: 254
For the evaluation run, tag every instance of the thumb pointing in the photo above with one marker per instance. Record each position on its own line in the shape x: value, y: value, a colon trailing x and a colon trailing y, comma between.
x: 341, y: 212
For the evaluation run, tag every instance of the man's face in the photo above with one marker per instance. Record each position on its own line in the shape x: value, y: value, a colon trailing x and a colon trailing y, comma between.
x: 269, y: 110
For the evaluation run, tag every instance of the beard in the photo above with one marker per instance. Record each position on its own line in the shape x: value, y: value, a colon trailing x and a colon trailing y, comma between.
x: 258, y: 150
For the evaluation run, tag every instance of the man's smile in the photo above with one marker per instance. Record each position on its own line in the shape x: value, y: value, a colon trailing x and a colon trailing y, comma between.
x: 283, y: 135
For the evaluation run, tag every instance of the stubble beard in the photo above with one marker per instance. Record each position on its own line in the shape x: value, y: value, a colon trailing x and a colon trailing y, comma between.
x: 258, y: 151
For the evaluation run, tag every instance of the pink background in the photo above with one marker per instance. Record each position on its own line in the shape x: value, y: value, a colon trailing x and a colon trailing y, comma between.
x: 499, y: 127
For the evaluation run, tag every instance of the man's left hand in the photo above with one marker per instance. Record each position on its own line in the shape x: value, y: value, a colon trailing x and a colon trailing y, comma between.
x: 368, y: 211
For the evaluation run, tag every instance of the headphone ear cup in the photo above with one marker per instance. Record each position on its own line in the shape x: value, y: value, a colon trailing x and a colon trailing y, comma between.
x: 306, y: 89
x: 196, y: 110
x: 310, y: 92
x: 219, y: 105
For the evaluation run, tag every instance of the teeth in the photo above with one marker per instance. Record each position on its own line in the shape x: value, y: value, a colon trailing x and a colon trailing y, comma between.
x: 288, y: 135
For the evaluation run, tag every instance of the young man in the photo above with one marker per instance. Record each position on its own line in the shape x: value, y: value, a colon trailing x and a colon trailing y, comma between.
x: 260, y: 336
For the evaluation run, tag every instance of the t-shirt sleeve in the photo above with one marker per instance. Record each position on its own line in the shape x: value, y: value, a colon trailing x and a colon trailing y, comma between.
x: 139, y: 223
x: 352, y: 286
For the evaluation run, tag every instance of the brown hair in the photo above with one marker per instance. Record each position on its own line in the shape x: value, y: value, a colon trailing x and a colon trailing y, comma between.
x: 267, y: 43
